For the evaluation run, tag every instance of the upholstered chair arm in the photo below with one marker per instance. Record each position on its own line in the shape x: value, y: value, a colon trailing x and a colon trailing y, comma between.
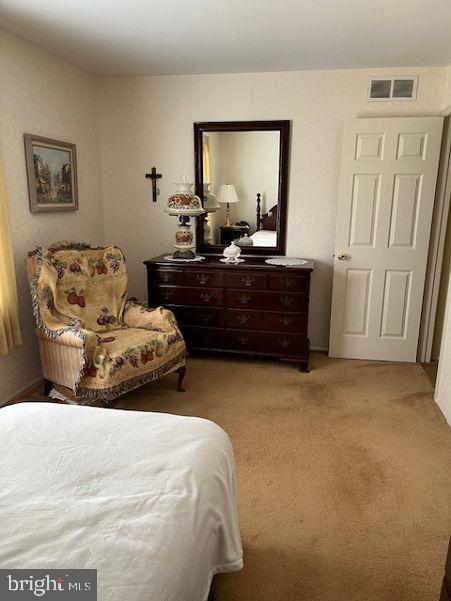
x: 66, y: 339
x: 140, y: 316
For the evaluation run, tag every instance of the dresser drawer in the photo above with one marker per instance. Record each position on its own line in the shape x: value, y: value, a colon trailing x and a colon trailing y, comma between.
x: 168, y: 295
x: 248, y: 280
x: 250, y: 308
x: 168, y: 276
x: 201, y: 337
x: 266, y: 320
x: 203, y: 278
x: 198, y: 316
x: 272, y: 343
x: 276, y: 301
x: 289, y: 282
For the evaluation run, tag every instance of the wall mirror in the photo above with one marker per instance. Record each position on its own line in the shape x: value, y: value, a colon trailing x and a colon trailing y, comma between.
x: 241, y: 175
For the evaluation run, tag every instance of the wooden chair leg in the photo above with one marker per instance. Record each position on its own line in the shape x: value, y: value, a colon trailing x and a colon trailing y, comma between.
x: 181, y: 372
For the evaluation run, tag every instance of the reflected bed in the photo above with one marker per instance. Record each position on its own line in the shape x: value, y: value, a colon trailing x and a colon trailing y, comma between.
x: 264, y: 238
x: 266, y: 234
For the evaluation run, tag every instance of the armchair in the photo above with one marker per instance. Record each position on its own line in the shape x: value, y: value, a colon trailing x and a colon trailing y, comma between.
x: 92, y: 340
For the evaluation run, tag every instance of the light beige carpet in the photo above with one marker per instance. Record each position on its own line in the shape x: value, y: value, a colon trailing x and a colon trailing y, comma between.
x: 344, y: 475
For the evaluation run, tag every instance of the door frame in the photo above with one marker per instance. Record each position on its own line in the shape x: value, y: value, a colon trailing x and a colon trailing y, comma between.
x: 436, y: 245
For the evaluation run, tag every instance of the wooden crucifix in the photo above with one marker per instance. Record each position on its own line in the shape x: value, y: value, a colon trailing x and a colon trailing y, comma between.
x: 154, y: 176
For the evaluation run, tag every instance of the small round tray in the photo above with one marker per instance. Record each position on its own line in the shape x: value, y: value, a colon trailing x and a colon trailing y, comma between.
x: 286, y: 261
x: 196, y: 259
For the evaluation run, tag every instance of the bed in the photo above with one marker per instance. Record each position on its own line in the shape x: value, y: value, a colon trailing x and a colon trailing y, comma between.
x: 266, y: 234
x: 147, y: 499
x: 264, y: 238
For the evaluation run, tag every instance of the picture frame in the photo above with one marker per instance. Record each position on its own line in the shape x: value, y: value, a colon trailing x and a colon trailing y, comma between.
x: 52, y: 174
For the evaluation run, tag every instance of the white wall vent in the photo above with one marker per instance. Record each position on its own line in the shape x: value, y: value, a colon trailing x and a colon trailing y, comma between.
x: 397, y: 88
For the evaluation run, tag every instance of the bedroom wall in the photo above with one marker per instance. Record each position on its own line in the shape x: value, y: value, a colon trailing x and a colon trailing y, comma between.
x: 447, y: 95
x: 146, y: 121
x: 443, y: 385
x: 43, y: 95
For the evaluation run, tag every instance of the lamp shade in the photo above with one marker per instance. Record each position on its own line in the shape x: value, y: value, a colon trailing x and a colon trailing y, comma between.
x: 227, y: 194
x: 184, y: 202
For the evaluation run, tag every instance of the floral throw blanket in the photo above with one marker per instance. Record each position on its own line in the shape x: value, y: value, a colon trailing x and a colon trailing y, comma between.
x: 83, y: 290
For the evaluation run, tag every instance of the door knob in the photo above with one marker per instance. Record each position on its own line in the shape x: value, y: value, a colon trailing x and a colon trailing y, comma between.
x: 342, y: 256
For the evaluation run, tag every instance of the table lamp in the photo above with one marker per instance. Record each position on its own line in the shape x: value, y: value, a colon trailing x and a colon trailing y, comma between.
x: 227, y: 195
x: 184, y: 204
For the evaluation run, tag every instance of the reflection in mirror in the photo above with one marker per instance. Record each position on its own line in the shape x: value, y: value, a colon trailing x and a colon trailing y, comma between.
x: 241, y: 187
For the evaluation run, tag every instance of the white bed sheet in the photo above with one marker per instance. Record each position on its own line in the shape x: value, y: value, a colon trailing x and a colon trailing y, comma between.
x: 265, y: 238
x: 147, y: 499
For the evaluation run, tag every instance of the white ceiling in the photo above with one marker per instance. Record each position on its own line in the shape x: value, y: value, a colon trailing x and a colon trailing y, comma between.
x: 136, y: 37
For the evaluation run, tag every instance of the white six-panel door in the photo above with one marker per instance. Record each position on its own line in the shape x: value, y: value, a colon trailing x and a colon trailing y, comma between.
x: 386, y: 197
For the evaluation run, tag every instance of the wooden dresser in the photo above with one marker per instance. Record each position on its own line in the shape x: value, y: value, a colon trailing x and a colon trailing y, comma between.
x: 249, y: 308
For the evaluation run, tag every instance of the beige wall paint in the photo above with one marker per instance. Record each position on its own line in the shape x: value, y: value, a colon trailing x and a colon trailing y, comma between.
x: 145, y: 121
x: 443, y: 385
x: 42, y: 95
x: 442, y: 334
x: 447, y: 94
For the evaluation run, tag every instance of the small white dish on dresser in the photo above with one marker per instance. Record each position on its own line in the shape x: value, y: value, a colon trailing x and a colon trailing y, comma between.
x: 232, y: 254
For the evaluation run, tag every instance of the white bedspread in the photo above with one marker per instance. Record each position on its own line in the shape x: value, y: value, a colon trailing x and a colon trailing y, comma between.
x: 147, y: 499
x: 265, y: 238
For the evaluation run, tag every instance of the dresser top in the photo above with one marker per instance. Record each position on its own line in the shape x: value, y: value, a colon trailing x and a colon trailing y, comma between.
x: 213, y: 262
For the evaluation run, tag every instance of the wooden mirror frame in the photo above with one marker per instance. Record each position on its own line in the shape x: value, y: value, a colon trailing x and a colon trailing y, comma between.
x: 283, y: 127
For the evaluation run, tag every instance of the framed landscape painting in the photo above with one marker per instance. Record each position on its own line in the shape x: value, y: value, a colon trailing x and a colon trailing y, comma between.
x: 52, y: 174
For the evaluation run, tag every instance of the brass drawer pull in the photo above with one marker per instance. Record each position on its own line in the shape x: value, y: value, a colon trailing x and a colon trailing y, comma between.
x: 243, y: 318
x: 202, y: 278
x: 243, y: 340
x: 285, y: 321
x: 286, y: 300
x: 166, y: 294
x: 206, y: 296
x: 244, y: 298
x: 284, y: 342
x: 206, y: 317
x: 166, y: 277
x: 248, y: 281
x: 289, y: 282
x: 206, y: 337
